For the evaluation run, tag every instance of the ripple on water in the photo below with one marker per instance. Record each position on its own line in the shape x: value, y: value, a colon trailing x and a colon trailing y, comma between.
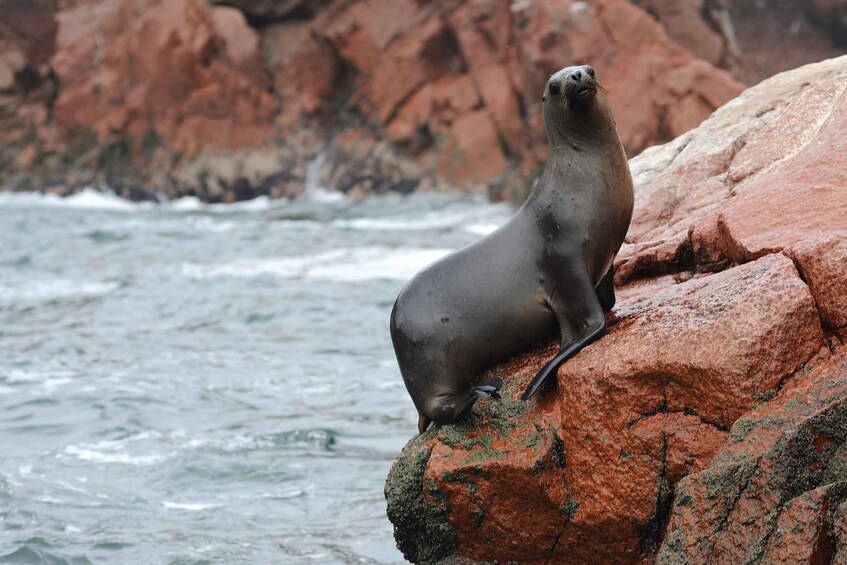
x: 38, y: 552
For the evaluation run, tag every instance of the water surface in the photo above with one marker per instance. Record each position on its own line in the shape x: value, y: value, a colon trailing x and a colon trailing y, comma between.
x: 187, y: 384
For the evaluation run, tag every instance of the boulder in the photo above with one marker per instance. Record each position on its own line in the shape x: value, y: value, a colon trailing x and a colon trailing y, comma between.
x: 707, y: 423
x: 765, y: 173
x: 772, y: 492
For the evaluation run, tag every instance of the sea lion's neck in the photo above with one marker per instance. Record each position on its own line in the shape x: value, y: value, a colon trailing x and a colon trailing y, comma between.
x: 567, y: 140
x: 571, y: 133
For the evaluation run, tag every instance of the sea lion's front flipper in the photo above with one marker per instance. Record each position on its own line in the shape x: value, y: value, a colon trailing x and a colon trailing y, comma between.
x: 488, y: 388
x: 606, y: 290
x: 579, y: 311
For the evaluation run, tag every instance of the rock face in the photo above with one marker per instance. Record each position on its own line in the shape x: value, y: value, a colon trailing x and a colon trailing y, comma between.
x: 230, y: 99
x: 708, y: 425
x: 754, y: 39
x: 400, y: 95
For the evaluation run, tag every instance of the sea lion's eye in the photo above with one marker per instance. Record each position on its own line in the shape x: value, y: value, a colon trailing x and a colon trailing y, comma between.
x: 590, y: 71
x: 555, y: 87
x: 544, y: 99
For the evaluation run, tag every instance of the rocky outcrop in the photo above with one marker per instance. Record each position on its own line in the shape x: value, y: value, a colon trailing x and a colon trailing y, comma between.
x: 456, y: 84
x: 706, y: 426
x: 227, y: 99
x: 189, y: 97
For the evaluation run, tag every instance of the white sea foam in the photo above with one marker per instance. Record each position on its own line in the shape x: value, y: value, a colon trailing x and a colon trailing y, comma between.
x: 356, y: 264
x: 186, y: 204
x: 478, y: 221
x: 85, y: 454
x: 93, y: 199
x: 42, y: 291
x: 44, y: 381
x: 192, y: 203
x: 190, y: 506
x: 115, y: 451
x: 88, y: 198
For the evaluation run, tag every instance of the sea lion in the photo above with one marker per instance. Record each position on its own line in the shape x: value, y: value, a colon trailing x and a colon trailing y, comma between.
x: 549, y: 267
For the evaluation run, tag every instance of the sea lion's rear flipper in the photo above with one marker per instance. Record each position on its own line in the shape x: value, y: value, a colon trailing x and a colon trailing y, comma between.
x: 488, y: 388
x: 579, y: 312
x: 606, y: 290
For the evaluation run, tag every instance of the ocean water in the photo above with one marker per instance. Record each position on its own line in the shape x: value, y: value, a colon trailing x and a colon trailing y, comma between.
x: 183, y: 383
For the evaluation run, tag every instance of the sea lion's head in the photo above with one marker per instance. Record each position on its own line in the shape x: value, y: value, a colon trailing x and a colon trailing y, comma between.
x: 573, y: 100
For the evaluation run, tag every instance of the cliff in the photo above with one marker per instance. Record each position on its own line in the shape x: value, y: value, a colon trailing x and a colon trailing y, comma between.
x: 232, y: 99
x: 709, y: 424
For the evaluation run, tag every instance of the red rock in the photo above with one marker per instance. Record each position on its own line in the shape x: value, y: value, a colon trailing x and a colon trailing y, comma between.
x: 694, y: 24
x: 471, y: 153
x: 183, y: 78
x: 415, y: 61
x: 762, y: 174
x: 777, y: 37
x: 396, y: 63
x: 778, y: 470
x: 305, y: 70
x: 12, y: 61
x: 30, y: 27
x: 177, y: 68
x: 802, y: 533
x: 242, y: 42
x: 27, y: 157
x: 752, y: 39
x: 830, y: 14
x: 824, y: 267
x: 436, y: 106
x: 634, y: 407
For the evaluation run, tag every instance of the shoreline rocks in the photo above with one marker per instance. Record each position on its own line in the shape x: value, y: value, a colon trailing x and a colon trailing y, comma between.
x: 198, y: 98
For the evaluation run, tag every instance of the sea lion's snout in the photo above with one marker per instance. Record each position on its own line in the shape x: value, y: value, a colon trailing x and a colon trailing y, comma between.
x: 579, y: 75
x: 580, y: 87
x: 575, y: 85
